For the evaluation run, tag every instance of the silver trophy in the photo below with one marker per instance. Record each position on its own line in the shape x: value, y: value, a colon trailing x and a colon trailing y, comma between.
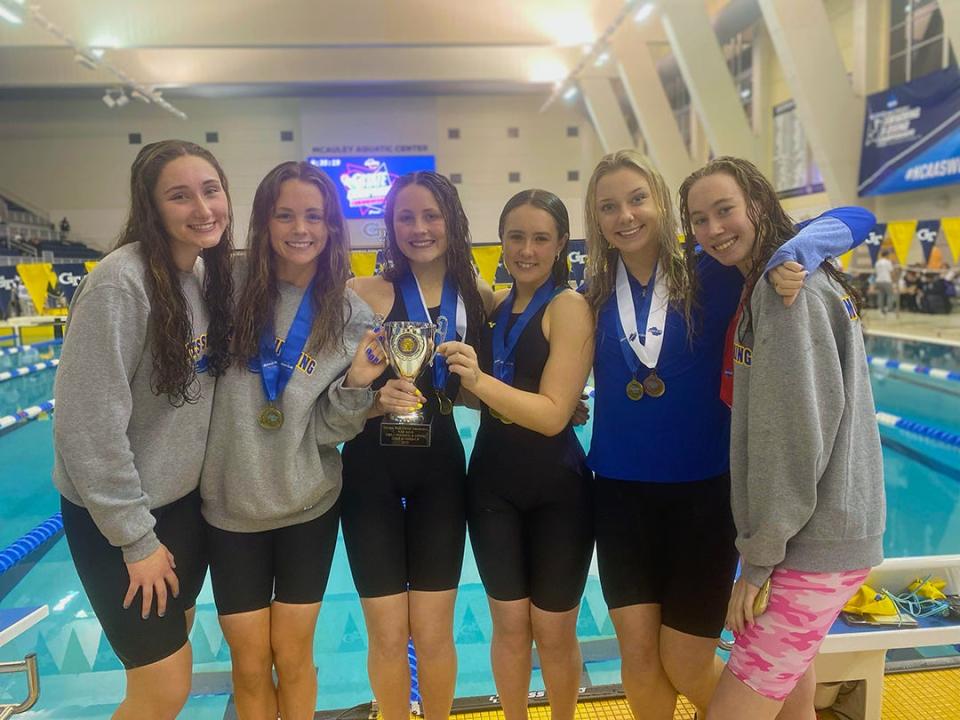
x: 410, y: 347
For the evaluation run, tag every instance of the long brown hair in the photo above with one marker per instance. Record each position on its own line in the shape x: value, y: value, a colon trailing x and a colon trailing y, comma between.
x: 554, y: 207
x: 459, y: 258
x: 258, y: 299
x: 602, y: 257
x: 771, y: 224
x: 174, y: 373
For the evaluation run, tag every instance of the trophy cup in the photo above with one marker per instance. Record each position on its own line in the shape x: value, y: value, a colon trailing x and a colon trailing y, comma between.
x: 410, y: 346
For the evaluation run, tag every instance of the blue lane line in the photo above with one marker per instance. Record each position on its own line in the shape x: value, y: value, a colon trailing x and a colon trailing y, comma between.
x: 918, y: 428
x: 28, y: 369
x: 26, y: 415
x: 23, y: 348
x: 938, y: 373
x: 21, y: 548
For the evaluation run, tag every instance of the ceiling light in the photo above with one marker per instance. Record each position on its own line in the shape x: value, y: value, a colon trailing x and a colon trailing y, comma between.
x: 644, y: 12
x: 108, y: 100
x: 97, y: 52
x: 570, y: 93
x: 602, y: 59
x: 122, y: 99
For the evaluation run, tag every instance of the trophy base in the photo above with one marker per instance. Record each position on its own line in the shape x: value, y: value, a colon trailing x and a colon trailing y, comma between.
x: 405, y: 434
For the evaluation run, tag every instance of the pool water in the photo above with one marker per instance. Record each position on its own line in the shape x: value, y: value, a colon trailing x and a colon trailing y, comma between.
x: 81, y: 678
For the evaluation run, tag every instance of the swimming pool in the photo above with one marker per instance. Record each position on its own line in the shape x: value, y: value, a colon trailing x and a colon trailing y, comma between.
x: 82, y: 679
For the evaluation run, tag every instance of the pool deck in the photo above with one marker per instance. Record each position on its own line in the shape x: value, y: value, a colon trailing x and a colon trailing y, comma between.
x: 943, y: 329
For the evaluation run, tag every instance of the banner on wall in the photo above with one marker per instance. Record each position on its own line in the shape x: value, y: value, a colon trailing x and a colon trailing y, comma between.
x: 577, y: 260
x: 911, y: 135
x: 69, y: 276
x: 926, y: 235
x: 794, y: 171
x: 874, y: 241
x: 9, y: 286
x: 951, y: 231
x: 44, y: 288
x: 363, y: 181
x: 901, y: 235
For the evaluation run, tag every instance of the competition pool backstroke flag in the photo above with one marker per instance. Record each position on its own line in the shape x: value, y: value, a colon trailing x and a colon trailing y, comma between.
x: 911, y: 135
x: 363, y: 180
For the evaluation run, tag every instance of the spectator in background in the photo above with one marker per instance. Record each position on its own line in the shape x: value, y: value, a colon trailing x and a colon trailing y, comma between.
x: 64, y: 229
x: 883, y: 282
x: 910, y: 290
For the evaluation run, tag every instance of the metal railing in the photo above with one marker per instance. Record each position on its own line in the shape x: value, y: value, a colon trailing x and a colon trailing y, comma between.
x: 28, y: 666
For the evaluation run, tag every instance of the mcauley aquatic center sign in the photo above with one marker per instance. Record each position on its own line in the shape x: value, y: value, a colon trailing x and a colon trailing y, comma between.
x: 911, y: 136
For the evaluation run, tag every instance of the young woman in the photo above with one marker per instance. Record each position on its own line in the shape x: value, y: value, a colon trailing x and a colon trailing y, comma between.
x: 134, y: 390
x: 404, y: 507
x: 271, y: 478
x: 660, y: 448
x: 529, y: 507
x: 806, y: 465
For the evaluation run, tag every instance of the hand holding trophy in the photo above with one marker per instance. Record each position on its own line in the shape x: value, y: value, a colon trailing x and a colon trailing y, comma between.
x: 410, y: 347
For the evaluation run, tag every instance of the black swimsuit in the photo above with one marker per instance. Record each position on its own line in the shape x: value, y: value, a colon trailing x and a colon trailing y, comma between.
x: 403, y: 508
x: 529, y: 500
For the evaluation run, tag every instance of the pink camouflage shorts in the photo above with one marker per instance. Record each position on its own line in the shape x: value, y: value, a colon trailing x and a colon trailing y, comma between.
x: 773, y: 653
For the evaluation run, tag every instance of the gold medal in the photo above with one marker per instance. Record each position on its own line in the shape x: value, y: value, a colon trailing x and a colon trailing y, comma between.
x: 271, y: 418
x: 634, y: 389
x: 502, y: 418
x: 653, y: 385
x: 446, y: 404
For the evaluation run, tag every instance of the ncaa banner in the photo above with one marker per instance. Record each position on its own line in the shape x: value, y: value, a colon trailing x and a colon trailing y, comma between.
x: 69, y: 276
x: 874, y: 241
x: 911, y: 135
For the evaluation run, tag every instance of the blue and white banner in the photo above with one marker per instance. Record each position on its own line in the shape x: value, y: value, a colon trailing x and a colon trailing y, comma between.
x: 911, y: 135
x: 69, y: 276
x: 926, y: 235
x: 9, y: 286
x: 874, y: 241
x: 577, y: 260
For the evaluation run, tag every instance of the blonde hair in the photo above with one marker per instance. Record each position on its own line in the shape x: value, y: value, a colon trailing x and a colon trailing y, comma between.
x: 676, y: 260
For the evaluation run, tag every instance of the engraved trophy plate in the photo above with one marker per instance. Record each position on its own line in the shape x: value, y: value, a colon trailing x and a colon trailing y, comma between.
x: 410, y: 347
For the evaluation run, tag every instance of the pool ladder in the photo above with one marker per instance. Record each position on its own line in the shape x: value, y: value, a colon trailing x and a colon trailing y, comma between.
x: 29, y: 666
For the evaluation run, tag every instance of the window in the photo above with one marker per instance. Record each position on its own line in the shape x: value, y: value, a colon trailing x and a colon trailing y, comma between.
x: 917, y: 43
x: 513, y: 177
x: 213, y: 137
x: 573, y: 131
x: 573, y: 176
x: 286, y: 136
x: 456, y: 178
x: 134, y: 138
x: 453, y: 133
x: 513, y: 132
x: 679, y: 102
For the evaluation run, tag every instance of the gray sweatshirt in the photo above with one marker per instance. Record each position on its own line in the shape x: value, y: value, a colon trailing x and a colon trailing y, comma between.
x: 805, y: 459
x: 256, y: 479
x: 120, y: 450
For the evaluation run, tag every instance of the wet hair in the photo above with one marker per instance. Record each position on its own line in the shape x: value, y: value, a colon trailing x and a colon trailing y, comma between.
x: 258, y: 299
x: 678, y: 263
x: 772, y: 226
x: 554, y: 207
x: 458, y: 256
x: 170, y: 326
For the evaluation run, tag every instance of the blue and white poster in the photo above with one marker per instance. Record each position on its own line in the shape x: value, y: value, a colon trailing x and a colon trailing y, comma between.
x: 874, y: 241
x: 926, y: 235
x: 69, y: 276
x: 911, y: 135
x: 364, y: 181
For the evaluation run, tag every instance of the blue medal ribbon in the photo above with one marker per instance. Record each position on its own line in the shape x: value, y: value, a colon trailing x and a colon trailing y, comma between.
x: 643, y: 312
x: 417, y: 312
x: 276, y: 369
x: 504, y: 343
